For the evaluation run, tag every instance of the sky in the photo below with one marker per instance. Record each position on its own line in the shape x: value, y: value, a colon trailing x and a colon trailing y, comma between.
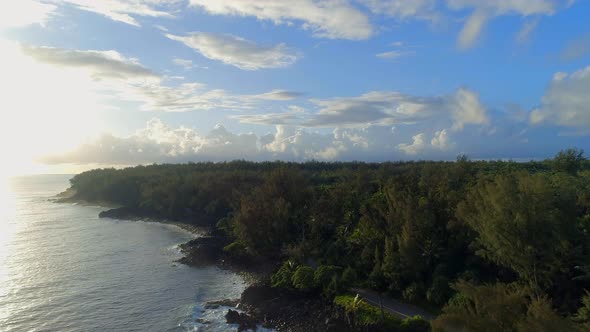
x: 89, y: 83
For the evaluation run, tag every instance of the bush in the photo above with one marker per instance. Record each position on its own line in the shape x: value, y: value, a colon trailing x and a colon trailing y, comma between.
x: 284, y: 275
x: 365, y: 315
x: 324, y: 274
x: 413, y: 293
x: 303, y: 278
x: 415, y: 324
x: 440, y: 291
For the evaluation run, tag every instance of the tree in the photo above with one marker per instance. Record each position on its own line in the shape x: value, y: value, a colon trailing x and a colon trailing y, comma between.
x: 522, y: 224
x: 569, y: 160
x: 493, y: 308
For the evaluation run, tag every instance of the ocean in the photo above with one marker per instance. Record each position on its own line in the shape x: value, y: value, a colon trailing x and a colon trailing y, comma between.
x: 64, y: 269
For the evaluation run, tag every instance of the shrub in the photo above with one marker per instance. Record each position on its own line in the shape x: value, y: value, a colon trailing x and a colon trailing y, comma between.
x: 284, y: 275
x: 303, y: 278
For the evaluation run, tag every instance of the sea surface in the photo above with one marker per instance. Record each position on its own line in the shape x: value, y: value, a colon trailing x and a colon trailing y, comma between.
x: 64, y: 269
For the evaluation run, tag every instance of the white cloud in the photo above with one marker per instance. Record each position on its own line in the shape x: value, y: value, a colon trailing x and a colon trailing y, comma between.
x: 527, y: 29
x: 441, y: 140
x: 125, y: 10
x: 102, y: 64
x: 24, y: 12
x: 278, y: 95
x: 472, y: 29
x: 403, y: 9
x: 483, y: 11
x: 467, y: 109
x: 393, y: 54
x: 237, y: 51
x: 335, y: 19
x: 119, y: 78
x: 184, y: 63
x: 566, y: 101
x: 418, y: 144
x: 389, y: 108
x: 160, y: 143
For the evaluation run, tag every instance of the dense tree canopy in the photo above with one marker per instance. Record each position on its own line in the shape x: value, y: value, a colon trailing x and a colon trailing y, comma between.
x: 425, y: 232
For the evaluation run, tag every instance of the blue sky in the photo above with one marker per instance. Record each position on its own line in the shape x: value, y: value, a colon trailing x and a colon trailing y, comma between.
x: 141, y: 81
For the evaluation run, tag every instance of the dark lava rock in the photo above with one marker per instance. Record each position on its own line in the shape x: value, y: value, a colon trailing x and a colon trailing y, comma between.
x: 202, y: 251
x: 222, y: 303
x: 126, y: 213
x: 292, y: 311
x: 244, y: 321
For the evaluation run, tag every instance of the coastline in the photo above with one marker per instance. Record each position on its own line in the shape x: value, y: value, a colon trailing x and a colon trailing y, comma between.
x: 259, y: 303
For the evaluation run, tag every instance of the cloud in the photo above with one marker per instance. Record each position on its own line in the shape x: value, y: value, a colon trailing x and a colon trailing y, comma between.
x: 566, y: 101
x: 467, y: 109
x: 103, y: 64
x: 238, y: 52
x: 119, y: 78
x: 441, y: 140
x: 125, y: 10
x: 279, y: 95
x: 160, y: 143
x: 391, y: 55
x: 390, y: 108
x: 24, y: 12
x: 576, y: 48
x: 483, y: 11
x: 184, y: 63
x: 527, y: 29
x: 334, y: 19
x: 472, y: 29
x: 404, y: 9
x: 418, y: 144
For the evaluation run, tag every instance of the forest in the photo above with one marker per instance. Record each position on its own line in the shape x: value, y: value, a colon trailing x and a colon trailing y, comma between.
x: 487, y: 245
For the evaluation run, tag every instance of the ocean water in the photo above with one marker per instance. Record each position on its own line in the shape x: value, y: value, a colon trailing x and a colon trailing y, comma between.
x: 64, y: 269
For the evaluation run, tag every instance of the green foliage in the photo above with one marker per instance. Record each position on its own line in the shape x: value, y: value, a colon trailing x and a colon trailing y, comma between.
x: 364, y: 315
x: 415, y: 324
x: 440, y: 290
x: 582, y: 317
x: 405, y: 229
x: 303, y: 278
x: 569, y: 161
x: 283, y: 277
x: 523, y: 222
x: 499, y: 307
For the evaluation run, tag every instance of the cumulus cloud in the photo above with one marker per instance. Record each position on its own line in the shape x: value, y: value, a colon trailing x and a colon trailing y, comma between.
x: 467, y: 109
x: 336, y: 19
x: 161, y: 143
x: 125, y: 10
x: 238, y: 52
x: 441, y: 140
x: 566, y: 101
x: 418, y: 144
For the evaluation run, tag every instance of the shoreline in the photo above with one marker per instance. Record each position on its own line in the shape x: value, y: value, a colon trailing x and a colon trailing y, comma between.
x: 259, y: 303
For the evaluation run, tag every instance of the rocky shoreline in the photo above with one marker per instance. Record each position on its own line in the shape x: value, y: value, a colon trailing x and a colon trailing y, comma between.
x: 260, y: 304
